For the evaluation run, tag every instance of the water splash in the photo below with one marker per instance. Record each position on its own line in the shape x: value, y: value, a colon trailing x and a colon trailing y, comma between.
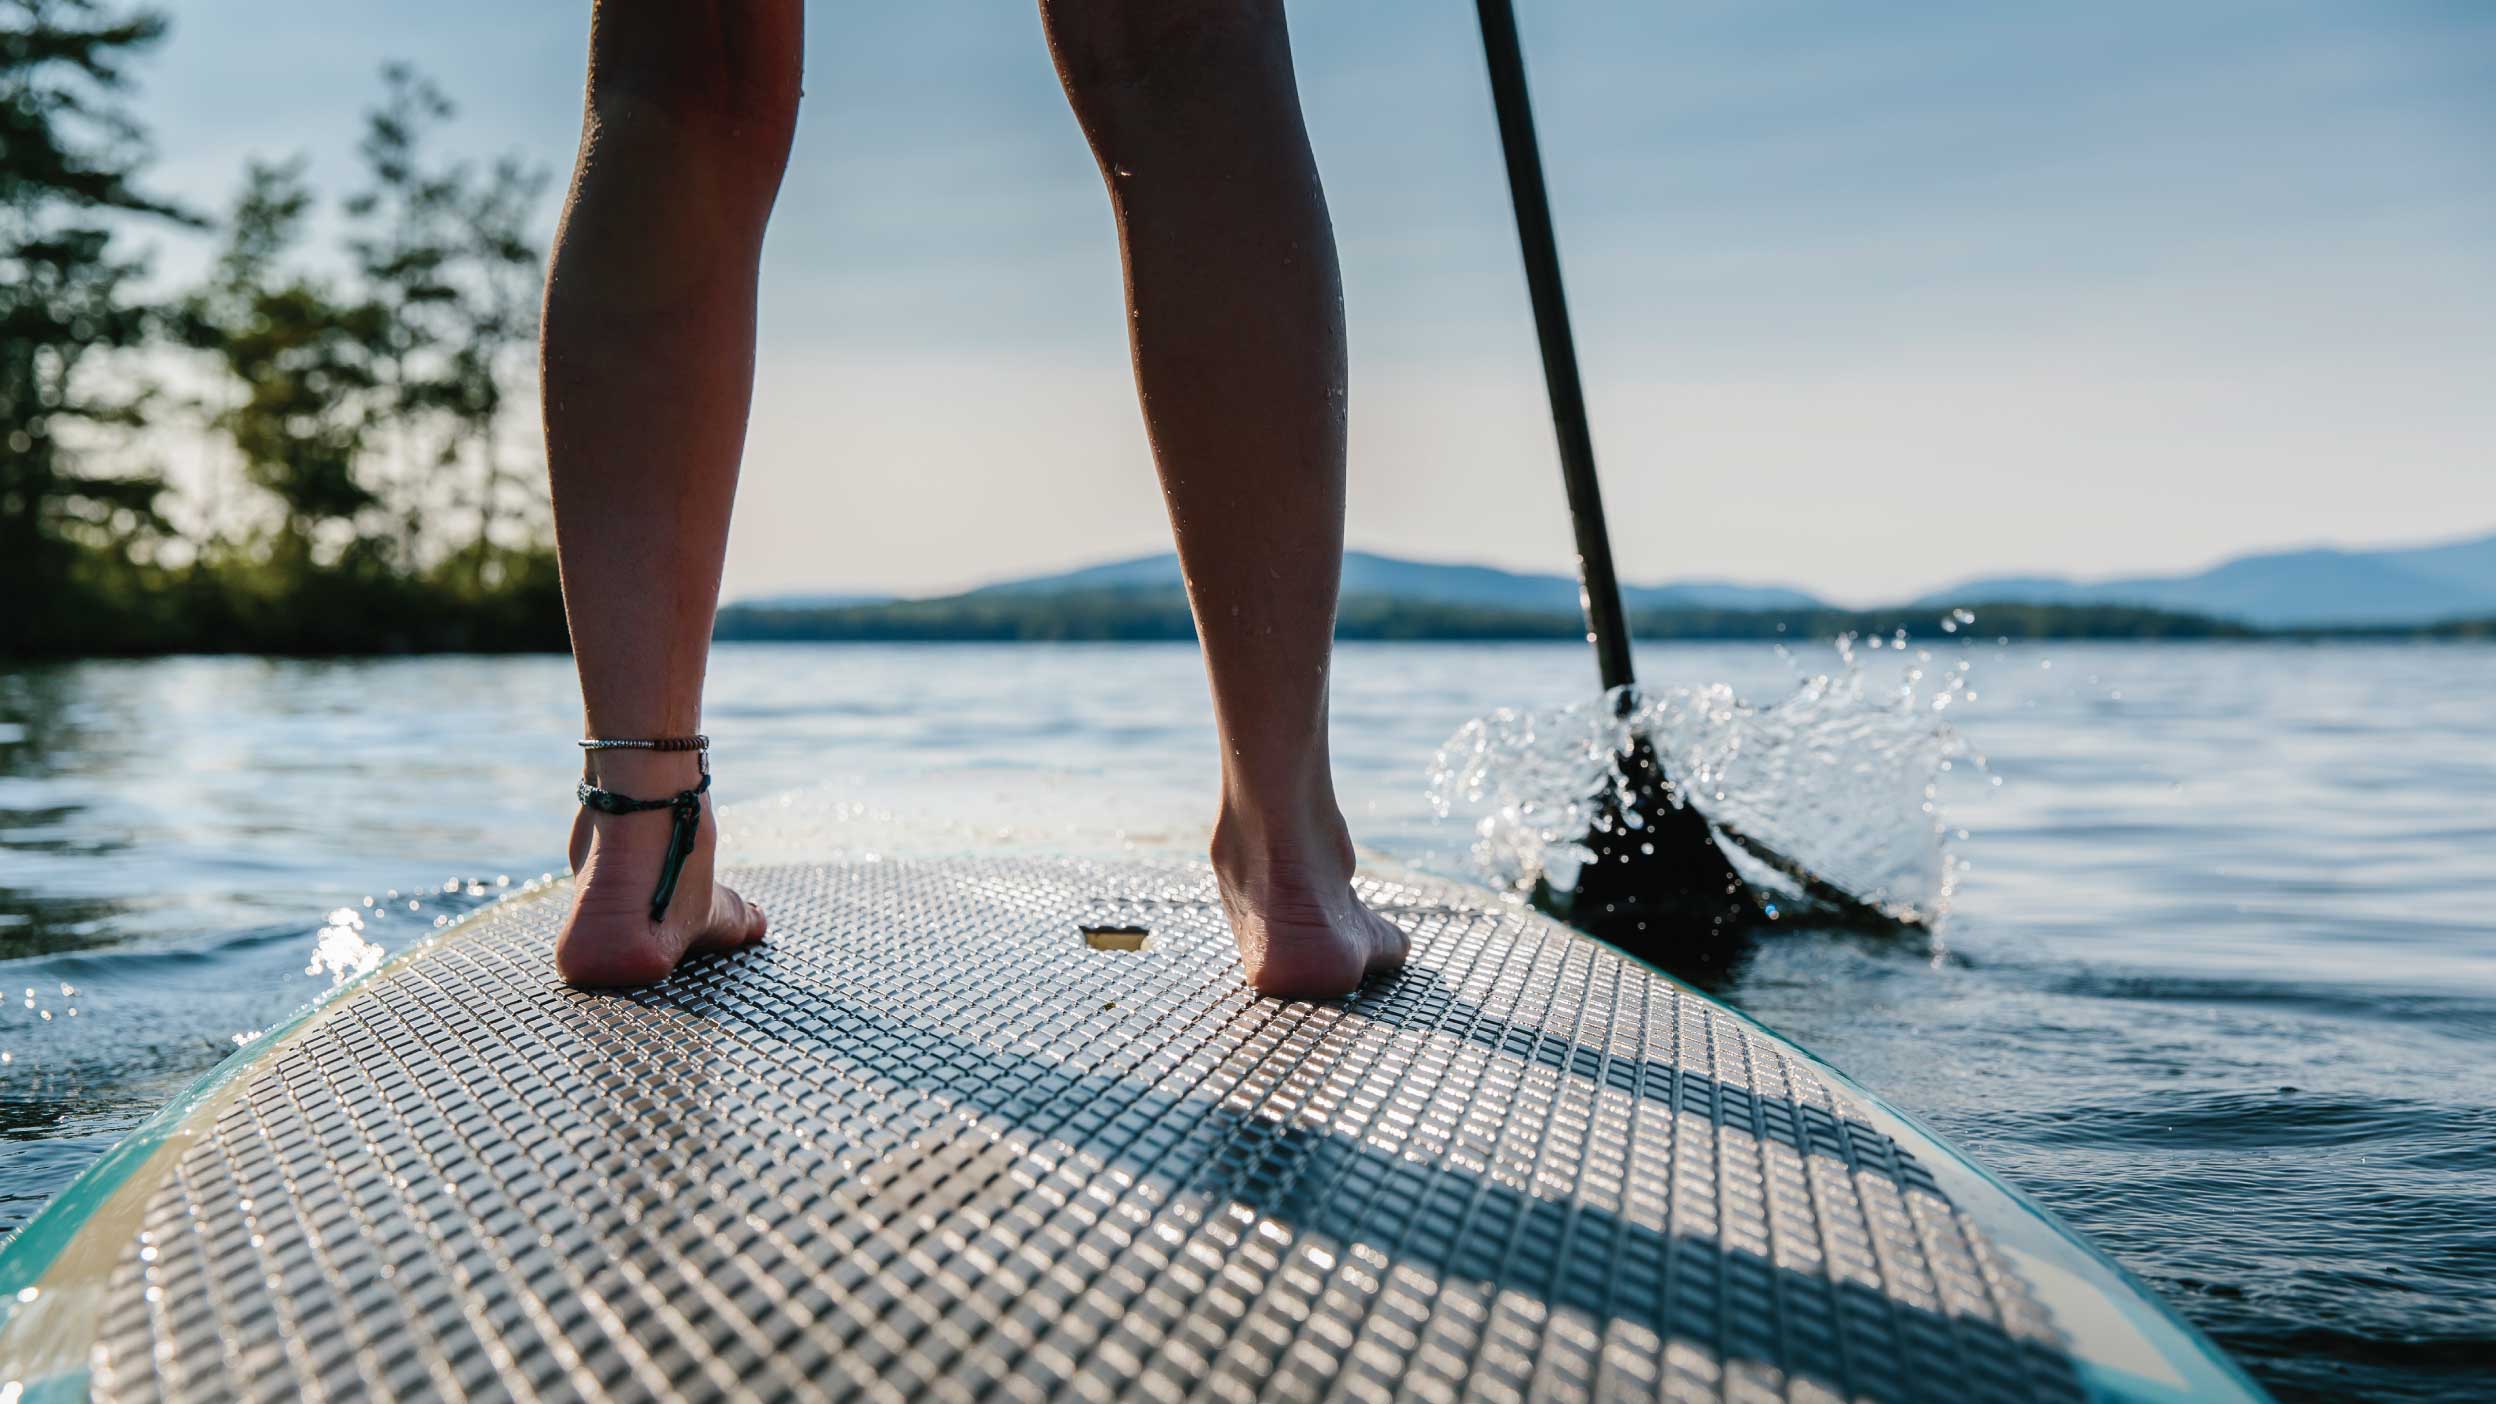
x: 1842, y: 776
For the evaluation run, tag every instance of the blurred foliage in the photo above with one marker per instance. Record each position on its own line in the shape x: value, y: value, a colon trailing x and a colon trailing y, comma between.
x: 361, y: 494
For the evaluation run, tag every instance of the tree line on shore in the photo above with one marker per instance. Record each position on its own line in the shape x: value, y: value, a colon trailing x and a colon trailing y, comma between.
x: 1161, y: 614
x: 299, y: 450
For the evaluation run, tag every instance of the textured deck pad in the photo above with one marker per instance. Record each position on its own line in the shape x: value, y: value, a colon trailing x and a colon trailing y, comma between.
x: 931, y: 1144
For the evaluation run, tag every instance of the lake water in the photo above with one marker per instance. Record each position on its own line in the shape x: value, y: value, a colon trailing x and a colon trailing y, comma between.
x: 2219, y: 985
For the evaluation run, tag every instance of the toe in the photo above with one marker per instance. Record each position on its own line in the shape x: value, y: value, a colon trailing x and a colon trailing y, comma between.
x: 731, y: 927
x: 1389, y: 952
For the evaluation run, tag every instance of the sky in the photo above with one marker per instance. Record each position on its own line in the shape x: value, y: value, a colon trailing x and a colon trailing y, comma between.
x: 1870, y: 298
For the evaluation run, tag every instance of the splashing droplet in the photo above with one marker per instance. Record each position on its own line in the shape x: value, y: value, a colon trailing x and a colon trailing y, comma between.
x: 1838, y: 776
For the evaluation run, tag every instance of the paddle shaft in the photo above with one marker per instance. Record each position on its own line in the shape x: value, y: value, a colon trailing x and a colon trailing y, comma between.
x: 1655, y: 881
x: 1599, y: 589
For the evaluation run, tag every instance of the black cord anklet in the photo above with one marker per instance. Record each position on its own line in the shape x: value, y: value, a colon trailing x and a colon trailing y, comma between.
x: 685, y: 804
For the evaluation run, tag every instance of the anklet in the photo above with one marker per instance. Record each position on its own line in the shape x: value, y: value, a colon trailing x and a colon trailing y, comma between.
x: 685, y: 805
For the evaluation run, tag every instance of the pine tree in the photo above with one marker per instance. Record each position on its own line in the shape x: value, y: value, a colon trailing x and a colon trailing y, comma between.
x: 302, y: 356
x: 406, y: 249
x: 448, y: 259
x: 498, y: 341
x: 69, y: 155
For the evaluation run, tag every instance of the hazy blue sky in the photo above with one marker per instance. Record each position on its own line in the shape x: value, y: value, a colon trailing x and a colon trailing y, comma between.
x: 1870, y: 296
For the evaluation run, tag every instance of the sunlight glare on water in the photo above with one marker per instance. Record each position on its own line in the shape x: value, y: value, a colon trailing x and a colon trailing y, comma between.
x: 340, y: 950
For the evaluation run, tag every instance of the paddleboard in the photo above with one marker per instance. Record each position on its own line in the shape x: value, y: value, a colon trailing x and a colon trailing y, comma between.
x: 1010, y: 1127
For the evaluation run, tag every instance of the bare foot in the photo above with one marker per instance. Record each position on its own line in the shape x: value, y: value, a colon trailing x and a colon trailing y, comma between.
x: 1287, y: 889
x: 608, y: 938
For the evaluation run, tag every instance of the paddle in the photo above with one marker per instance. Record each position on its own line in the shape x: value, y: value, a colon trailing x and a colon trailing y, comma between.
x: 1658, y: 878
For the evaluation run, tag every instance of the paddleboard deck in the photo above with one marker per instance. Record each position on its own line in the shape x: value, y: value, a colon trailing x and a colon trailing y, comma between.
x: 1011, y: 1128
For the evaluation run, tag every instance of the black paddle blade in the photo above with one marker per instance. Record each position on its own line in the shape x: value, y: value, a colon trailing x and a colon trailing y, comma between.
x: 1823, y: 903
x: 1657, y: 885
x: 1664, y: 890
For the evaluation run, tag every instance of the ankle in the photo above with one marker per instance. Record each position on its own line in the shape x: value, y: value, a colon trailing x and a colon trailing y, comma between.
x: 645, y: 774
x: 1300, y: 836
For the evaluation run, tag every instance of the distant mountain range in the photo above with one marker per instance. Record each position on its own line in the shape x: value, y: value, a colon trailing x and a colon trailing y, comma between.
x: 2318, y: 587
x: 811, y: 599
x: 2282, y: 589
x: 1366, y: 573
